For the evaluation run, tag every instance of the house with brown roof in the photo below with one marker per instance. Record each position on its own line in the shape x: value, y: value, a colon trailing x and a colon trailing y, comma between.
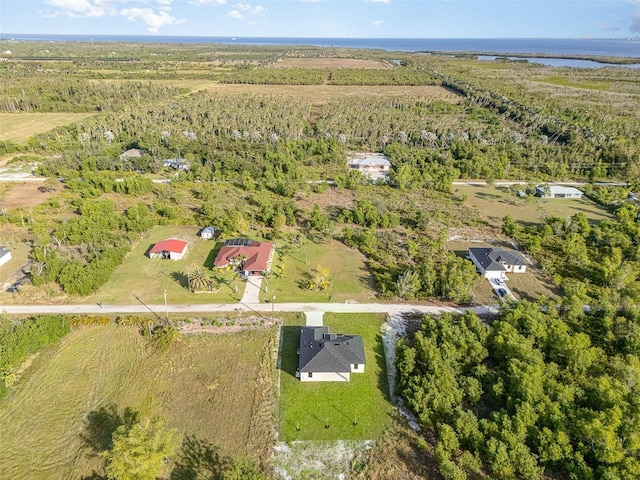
x: 329, y: 357
x: 170, y: 249
x: 252, y: 257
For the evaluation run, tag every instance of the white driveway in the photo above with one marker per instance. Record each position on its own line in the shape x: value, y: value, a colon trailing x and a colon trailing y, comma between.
x: 252, y: 290
x: 314, y: 319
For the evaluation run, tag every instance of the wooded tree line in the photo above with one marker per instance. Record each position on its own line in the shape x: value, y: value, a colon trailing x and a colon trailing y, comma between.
x: 533, y: 394
x: 32, y: 88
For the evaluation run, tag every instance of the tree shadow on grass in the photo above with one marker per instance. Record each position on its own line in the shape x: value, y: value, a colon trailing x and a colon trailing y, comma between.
x: 100, y: 425
x: 97, y: 434
x: 380, y: 359
x: 199, y: 459
x: 289, y: 354
x: 180, y: 278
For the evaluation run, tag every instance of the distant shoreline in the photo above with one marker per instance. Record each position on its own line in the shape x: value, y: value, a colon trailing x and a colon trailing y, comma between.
x: 508, y: 56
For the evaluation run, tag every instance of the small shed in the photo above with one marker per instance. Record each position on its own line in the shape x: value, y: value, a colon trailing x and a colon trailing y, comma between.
x: 5, y: 255
x: 170, y: 249
x: 209, y: 233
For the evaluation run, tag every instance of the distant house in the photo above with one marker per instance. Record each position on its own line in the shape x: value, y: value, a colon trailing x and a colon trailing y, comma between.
x: 209, y: 233
x: 557, y: 191
x: 5, y: 255
x: 132, y: 154
x: 171, y: 249
x: 374, y: 165
x: 328, y: 357
x: 177, y: 164
x: 496, y: 262
x: 252, y: 257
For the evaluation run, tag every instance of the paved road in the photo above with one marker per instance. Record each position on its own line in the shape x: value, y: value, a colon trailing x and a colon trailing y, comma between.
x: 389, y: 308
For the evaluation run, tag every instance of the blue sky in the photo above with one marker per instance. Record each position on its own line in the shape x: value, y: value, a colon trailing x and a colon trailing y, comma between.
x: 327, y: 18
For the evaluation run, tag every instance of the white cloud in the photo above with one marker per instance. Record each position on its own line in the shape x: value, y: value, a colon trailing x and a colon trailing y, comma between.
x: 379, y: 1
x: 151, y: 19
x: 245, y: 8
x: 377, y: 23
x: 77, y: 8
x: 209, y: 2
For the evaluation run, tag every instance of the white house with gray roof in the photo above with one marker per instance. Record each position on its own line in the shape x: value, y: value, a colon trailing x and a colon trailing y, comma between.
x: 558, y: 191
x: 496, y: 262
x: 376, y: 166
x: 5, y: 255
x: 329, y: 357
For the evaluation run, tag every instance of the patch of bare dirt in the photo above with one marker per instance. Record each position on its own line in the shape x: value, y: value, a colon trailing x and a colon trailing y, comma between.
x: 25, y: 194
x: 332, y: 197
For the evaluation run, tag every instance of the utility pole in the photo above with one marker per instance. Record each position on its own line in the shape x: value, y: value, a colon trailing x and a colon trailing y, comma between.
x: 166, y: 308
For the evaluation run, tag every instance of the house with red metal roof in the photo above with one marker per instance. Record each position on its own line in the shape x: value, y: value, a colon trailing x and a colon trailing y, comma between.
x: 252, y: 257
x: 172, y: 249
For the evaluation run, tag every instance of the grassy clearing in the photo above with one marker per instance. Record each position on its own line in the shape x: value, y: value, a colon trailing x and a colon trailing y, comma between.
x: 365, y: 399
x: 319, y: 62
x: 495, y: 202
x: 18, y: 127
x: 96, y: 372
x: 348, y: 273
x: 328, y: 93
x: 150, y: 278
x: 25, y: 195
x: 567, y: 82
x: 19, y: 256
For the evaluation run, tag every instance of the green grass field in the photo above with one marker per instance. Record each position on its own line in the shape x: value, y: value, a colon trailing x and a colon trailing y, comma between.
x: 305, y: 408
x: 150, y: 278
x: 18, y: 127
x: 348, y: 273
x: 61, y: 412
x: 495, y: 202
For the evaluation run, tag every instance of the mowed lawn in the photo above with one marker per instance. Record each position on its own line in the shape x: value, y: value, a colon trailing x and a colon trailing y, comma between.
x: 148, y: 278
x: 18, y: 127
x: 348, y: 273
x: 60, y: 414
x: 495, y: 202
x: 356, y: 410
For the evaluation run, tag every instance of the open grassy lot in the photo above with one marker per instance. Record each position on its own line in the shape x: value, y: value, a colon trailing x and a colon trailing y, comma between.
x: 326, y: 62
x: 18, y: 127
x: 62, y: 411
x: 348, y: 273
x: 327, y: 93
x: 305, y: 408
x: 495, y: 202
x: 19, y: 257
x: 150, y: 278
x: 25, y: 195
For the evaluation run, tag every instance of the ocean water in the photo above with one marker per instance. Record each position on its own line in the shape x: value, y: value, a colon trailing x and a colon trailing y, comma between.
x: 550, y: 46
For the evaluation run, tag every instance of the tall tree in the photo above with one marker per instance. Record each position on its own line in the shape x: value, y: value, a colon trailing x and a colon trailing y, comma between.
x: 140, y: 451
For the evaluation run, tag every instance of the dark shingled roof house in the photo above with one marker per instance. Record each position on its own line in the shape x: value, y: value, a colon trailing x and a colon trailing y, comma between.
x: 328, y: 357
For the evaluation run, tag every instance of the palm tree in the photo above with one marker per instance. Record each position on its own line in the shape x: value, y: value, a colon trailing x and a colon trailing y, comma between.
x: 199, y: 281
